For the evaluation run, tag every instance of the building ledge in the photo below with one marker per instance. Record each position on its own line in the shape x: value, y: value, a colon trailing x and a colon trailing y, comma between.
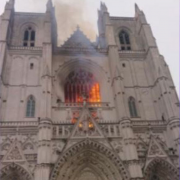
x: 25, y: 48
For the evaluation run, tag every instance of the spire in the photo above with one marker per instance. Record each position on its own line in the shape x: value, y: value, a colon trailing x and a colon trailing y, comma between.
x: 103, y: 7
x: 10, y: 4
x: 78, y: 28
x: 137, y: 10
x: 49, y: 5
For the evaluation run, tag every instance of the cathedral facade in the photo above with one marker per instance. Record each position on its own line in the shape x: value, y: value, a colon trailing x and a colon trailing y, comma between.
x: 104, y: 110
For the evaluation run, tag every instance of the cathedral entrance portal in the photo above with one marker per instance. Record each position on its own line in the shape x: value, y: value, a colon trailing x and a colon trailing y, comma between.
x: 87, y: 175
x: 89, y: 160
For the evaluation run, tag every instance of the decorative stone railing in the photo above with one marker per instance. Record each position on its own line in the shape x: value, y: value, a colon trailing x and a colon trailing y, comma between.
x: 148, y: 123
x: 18, y: 127
x: 93, y: 105
x: 25, y: 48
x: 131, y: 52
x: 18, y: 123
x: 64, y: 131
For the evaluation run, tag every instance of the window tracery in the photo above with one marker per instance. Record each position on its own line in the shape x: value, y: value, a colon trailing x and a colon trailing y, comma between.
x: 29, y: 37
x: 80, y: 83
x: 30, y: 109
x: 124, y: 41
x: 132, y: 107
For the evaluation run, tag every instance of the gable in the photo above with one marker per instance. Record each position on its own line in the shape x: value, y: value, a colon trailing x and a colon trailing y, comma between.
x: 155, y: 149
x: 15, y: 153
x: 86, y: 126
x: 78, y: 40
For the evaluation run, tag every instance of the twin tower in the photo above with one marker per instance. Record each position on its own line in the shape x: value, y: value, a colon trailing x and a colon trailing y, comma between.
x: 104, y: 110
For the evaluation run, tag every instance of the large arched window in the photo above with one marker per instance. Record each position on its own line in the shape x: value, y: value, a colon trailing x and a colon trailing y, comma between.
x: 124, y: 40
x: 30, y: 107
x: 79, y: 83
x: 132, y: 107
x: 29, y: 37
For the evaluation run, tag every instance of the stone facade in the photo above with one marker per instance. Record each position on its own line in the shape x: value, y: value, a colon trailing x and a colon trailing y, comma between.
x: 130, y: 128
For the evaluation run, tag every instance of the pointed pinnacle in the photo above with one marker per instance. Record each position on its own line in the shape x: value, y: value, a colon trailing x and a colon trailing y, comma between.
x: 137, y: 8
x: 49, y: 4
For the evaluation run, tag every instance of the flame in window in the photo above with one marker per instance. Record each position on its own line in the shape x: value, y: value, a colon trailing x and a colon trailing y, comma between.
x: 79, y: 83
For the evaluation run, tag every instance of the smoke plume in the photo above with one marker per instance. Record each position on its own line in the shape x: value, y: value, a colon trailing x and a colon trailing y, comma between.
x: 69, y: 15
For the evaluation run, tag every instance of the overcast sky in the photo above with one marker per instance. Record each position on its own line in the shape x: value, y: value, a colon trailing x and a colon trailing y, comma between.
x: 162, y: 15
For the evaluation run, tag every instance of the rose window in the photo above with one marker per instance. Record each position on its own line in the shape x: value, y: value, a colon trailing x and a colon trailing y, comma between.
x: 79, y: 83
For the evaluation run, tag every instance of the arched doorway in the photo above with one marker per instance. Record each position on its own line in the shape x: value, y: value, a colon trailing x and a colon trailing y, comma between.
x: 14, y: 172
x: 159, y: 169
x: 89, y: 160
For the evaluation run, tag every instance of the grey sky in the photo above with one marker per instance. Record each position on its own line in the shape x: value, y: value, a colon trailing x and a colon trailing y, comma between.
x: 162, y: 15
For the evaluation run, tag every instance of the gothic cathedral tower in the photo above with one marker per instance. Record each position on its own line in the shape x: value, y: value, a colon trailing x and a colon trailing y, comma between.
x: 104, y: 110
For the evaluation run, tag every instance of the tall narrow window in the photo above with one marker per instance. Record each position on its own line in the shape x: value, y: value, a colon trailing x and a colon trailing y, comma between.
x: 80, y: 83
x: 124, y: 40
x: 29, y: 37
x: 31, y: 65
x: 30, y: 109
x: 132, y: 107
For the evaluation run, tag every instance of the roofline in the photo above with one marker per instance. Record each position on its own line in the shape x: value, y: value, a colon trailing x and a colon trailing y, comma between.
x: 28, y: 13
x: 122, y: 18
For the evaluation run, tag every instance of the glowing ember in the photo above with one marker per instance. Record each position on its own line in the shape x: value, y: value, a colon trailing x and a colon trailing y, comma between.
x: 80, y: 125
x: 91, y: 126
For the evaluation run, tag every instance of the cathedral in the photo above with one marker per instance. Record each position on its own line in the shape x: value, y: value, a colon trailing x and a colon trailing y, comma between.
x: 103, y: 110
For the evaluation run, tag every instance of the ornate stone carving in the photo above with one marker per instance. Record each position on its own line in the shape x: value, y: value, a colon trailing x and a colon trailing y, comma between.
x: 155, y: 149
x: 14, y: 155
x: 159, y: 164
x: 90, y: 147
x: 12, y: 171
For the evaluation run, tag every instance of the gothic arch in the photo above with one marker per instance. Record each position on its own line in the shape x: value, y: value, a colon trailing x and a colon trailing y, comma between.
x: 91, y: 169
x: 100, y: 74
x: 85, y: 64
x: 13, y: 170
x: 162, y: 169
x: 31, y: 106
x: 92, y: 155
x: 129, y: 32
x: 22, y: 28
x: 119, y: 29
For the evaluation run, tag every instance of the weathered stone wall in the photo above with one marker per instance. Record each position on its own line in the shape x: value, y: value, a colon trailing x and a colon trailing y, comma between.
x: 116, y: 145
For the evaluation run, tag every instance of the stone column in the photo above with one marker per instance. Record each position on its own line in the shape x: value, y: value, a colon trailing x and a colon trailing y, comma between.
x: 130, y: 150
x: 42, y: 171
x: 5, y: 26
x: 45, y: 124
x: 174, y: 126
x: 120, y: 98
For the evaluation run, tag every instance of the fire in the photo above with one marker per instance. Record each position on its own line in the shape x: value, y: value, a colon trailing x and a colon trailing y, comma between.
x: 74, y: 120
x: 91, y: 125
x: 80, y: 125
x: 79, y: 83
x: 93, y: 95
